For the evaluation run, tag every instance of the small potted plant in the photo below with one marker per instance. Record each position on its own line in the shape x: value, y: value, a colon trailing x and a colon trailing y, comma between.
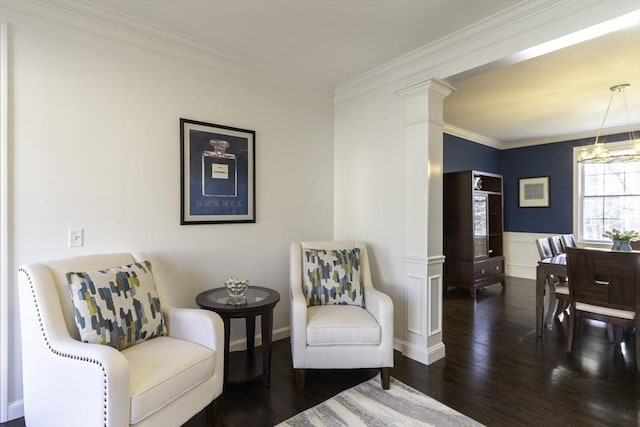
x: 621, y: 239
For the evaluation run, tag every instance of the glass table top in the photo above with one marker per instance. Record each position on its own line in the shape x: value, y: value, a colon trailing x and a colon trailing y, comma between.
x: 252, y: 296
x: 219, y: 299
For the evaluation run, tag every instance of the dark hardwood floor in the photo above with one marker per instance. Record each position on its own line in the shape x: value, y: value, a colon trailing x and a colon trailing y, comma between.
x: 496, y: 371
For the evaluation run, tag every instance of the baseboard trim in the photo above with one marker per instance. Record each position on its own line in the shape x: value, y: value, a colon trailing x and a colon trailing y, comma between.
x: 16, y: 409
x: 278, y: 334
x: 426, y: 356
x: 521, y: 271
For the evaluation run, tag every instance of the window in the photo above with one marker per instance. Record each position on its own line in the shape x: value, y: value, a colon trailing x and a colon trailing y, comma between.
x: 608, y: 195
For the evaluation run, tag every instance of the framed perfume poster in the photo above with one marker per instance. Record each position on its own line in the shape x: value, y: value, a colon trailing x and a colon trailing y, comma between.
x: 533, y: 192
x: 217, y: 165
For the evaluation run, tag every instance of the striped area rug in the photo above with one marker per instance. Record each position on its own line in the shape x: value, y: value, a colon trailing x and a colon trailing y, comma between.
x: 368, y: 405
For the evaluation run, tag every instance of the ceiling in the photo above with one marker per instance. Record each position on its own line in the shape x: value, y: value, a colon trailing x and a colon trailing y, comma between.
x: 331, y: 41
x: 562, y: 93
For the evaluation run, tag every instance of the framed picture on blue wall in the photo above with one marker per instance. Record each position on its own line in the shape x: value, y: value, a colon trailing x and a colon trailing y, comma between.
x: 533, y: 192
x: 217, y: 173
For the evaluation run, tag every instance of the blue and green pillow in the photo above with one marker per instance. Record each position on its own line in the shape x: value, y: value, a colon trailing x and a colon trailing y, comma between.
x: 118, y: 307
x: 333, y: 277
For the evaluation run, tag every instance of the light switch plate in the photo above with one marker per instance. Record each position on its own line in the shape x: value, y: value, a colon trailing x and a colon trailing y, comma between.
x: 76, y: 238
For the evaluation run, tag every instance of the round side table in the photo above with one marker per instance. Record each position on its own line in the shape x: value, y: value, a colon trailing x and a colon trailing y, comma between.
x: 242, y: 366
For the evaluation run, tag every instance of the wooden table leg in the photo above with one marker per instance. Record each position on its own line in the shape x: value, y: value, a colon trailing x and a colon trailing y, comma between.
x: 227, y: 332
x: 266, y: 322
x: 251, y: 334
x: 540, y: 279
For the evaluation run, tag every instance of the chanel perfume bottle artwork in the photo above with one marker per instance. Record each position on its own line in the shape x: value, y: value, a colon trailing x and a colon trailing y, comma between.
x: 218, y: 173
x: 219, y: 170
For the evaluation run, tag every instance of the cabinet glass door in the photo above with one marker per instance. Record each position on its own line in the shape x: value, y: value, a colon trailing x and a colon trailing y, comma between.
x: 480, y: 218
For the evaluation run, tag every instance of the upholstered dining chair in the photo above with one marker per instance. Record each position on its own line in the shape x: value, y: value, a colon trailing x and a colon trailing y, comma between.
x: 101, y: 347
x: 557, y: 246
x: 558, y: 294
x: 568, y: 241
x: 338, y: 319
x: 544, y: 248
x: 604, y: 285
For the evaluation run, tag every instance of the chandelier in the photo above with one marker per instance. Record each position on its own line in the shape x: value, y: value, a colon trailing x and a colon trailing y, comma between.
x: 597, y: 152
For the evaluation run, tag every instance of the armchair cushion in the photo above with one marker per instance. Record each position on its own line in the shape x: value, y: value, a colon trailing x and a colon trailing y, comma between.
x: 162, y: 370
x: 333, y: 277
x: 342, y: 325
x: 117, y: 306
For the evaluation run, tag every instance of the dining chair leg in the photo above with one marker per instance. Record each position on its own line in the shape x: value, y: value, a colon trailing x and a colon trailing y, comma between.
x: 561, y: 307
x: 637, y: 339
x: 553, y: 301
x: 610, y: 333
x: 614, y: 333
x: 578, y: 327
x: 572, y: 321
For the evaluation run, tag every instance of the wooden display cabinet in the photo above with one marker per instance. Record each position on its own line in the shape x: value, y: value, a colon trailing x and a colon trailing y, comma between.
x: 473, y: 230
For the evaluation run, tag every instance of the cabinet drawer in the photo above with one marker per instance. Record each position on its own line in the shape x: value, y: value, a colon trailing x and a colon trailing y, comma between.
x: 488, y: 268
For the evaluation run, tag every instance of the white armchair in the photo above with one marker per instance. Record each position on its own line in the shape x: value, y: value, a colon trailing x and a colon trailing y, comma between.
x: 162, y: 381
x: 339, y: 336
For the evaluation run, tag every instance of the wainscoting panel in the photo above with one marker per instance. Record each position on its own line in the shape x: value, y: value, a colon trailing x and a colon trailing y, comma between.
x: 415, y: 285
x: 521, y: 255
x: 422, y: 339
x: 435, y: 300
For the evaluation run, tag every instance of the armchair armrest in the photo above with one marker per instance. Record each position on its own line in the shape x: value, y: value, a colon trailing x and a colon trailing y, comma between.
x: 98, y: 373
x: 298, y: 318
x: 380, y: 306
x: 298, y: 315
x: 202, y: 327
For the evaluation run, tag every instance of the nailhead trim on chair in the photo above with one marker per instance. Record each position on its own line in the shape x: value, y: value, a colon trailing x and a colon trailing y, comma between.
x: 61, y: 354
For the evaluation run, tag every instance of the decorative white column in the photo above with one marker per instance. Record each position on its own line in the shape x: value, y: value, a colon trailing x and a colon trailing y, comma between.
x: 423, y: 259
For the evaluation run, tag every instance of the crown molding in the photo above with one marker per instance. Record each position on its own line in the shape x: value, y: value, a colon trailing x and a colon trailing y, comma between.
x: 435, y: 87
x: 571, y: 136
x: 102, y: 21
x: 504, y: 145
x: 473, y: 137
x: 500, y: 36
x: 432, y: 54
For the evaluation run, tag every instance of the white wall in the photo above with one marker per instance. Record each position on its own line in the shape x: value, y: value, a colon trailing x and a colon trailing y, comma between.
x: 369, y: 190
x: 95, y: 145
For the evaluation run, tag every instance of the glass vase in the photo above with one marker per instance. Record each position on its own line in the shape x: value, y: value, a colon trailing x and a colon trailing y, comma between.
x: 625, y: 245
x: 236, y: 286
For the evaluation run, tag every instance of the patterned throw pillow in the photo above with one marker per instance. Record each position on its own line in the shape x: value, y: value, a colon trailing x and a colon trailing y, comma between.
x: 117, y: 307
x: 333, y: 277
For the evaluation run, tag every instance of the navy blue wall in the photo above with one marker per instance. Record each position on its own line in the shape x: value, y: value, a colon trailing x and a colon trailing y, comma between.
x: 460, y: 154
x: 553, y: 160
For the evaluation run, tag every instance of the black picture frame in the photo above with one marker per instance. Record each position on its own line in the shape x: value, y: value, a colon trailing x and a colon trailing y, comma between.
x: 533, y: 192
x: 217, y: 174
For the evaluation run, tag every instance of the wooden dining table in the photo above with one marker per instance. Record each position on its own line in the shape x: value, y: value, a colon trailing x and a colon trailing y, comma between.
x: 557, y: 266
